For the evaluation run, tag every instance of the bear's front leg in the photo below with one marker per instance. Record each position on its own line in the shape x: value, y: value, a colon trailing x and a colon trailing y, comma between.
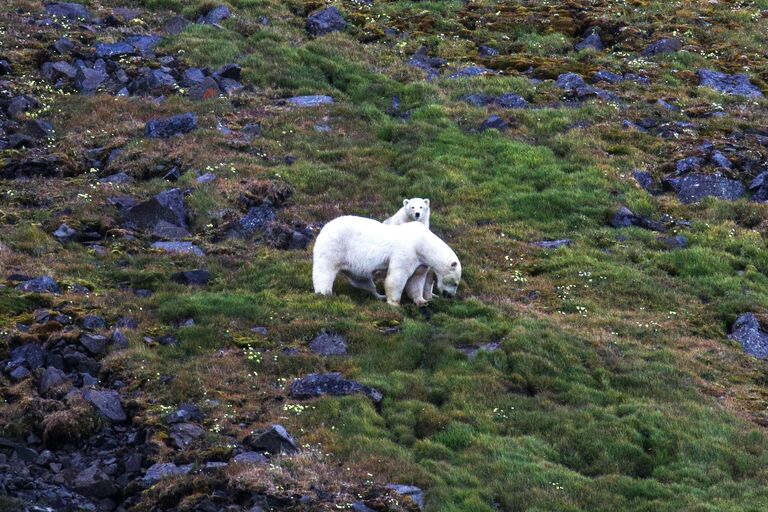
x: 394, y: 285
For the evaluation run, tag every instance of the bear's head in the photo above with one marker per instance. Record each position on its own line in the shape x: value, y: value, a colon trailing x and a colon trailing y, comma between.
x: 448, y: 278
x: 416, y: 209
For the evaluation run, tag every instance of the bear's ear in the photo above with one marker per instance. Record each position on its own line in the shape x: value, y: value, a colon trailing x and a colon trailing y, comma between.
x: 454, y: 264
x: 405, y: 202
x: 426, y: 201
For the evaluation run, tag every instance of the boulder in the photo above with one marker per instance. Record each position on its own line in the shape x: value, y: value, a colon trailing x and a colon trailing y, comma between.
x: 93, y: 323
x: 647, y: 182
x: 114, y: 50
x: 285, y: 237
x: 184, y: 248
x: 249, y: 458
x: 162, y: 470
x: 30, y: 355
x: 327, y: 344
x: 175, y: 25
x: 89, y: 79
x: 510, y: 100
x: 184, y: 434
x: 257, y: 219
x: 95, y: 343
x: 494, y: 122
x: 95, y: 483
x: 759, y: 187
x: 316, y: 385
x: 736, y: 85
x: 69, y: 10
x: 206, y: 89
x: 430, y: 65
x: 164, y: 230
x: 148, y: 214
x: 276, y: 441
x: 751, y: 335
x: 325, y: 21
x: 152, y: 82
x: 310, y: 101
x: 666, y: 45
x: 693, y: 188
x: 64, y: 234
x: 607, y: 76
x: 198, y: 277
x: 144, y: 43
x: 592, y: 41
x: 107, y: 403
x: 185, y: 413
x: 471, y: 71
x: 216, y: 15
x: 176, y: 125
x: 553, y: 244
x: 624, y: 217
x: 173, y: 200
x: 411, y: 491
x: 487, y: 51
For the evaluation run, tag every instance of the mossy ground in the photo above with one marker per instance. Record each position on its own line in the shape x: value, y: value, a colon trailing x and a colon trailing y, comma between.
x: 615, y: 387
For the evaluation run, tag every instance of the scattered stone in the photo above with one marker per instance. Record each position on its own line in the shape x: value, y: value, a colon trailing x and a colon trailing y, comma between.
x: 184, y: 434
x: 751, y: 335
x: 646, y: 181
x: 206, y: 178
x: 675, y: 242
x: 95, y: 343
x: 94, y: 482
x: 19, y: 373
x: 511, y: 101
x: 64, y: 234
x: 175, y: 25
x: 176, y: 125
x: 471, y: 71
x: 69, y: 10
x: 198, y: 277
x: 494, y: 122
x: 693, y: 188
x: 52, y: 378
x: 119, y: 340
x: 120, y: 178
x: 625, y: 218
x: 327, y: 344
x: 316, y: 385
x: 113, y: 50
x: 153, y: 82
x: 148, y: 214
x: 249, y: 458
x: 216, y: 15
x: 553, y: 244
x: 606, y: 76
x: 257, y: 219
x: 310, y: 101
x: 411, y: 491
x: 759, y: 187
x: 430, y: 65
x: 592, y: 41
x: 43, y: 284
x: 472, y: 352
x: 720, y: 160
x: 164, y: 230
x: 89, y: 79
x: 144, y: 44
x: 736, y: 85
x: 276, y: 441
x: 5, y: 67
x: 667, y: 45
x: 107, y: 402
x: 325, y: 21
x: 184, y: 414
x: 688, y: 164
x: 576, y: 88
x: 284, y: 237
x: 162, y: 470
x: 93, y: 323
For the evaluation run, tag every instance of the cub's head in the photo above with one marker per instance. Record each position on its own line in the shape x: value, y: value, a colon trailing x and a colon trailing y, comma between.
x: 448, y: 278
x: 417, y: 209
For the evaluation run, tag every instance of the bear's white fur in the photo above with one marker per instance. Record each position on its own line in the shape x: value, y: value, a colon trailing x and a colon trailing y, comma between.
x: 416, y: 209
x: 357, y: 247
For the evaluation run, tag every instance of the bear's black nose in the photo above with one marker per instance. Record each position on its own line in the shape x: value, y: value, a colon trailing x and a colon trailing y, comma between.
x: 417, y: 215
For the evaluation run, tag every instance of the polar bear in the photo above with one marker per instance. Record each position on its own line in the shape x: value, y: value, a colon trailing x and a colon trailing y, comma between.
x: 357, y: 247
x: 416, y: 209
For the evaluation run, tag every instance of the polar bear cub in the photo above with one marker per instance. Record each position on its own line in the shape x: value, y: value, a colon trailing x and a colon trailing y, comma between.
x: 416, y: 209
x: 357, y: 247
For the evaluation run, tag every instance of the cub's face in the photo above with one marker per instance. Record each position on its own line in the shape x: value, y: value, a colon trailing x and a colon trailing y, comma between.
x: 416, y: 208
x: 448, y: 280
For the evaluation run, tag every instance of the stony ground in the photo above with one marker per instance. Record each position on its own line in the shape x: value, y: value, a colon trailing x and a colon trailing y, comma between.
x: 601, y: 168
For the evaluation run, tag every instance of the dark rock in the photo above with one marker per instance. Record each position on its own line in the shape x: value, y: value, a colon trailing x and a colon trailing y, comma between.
x: 89, y: 79
x: 276, y: 441
x: 646, y: 181
x: 107, y: 402
x: 19, y: 373
x: 411, y: 491
x: 192, y: 76
x: 31, y: 166
x: 667, y: 106
x: 759, y: 187
x: 206, y: 89
x: 591, y: 41
x: 206, y: 178
x: 78, y: 289
x: 487, y: 51
x: 166, y: 231
x: 198, y: 277
x: 675, y: 242
x: 638, y: 79
x: 113, y: 50
x: 153, y: 82
x: 720, y: 160
x: 185, y: 413
x: 216, y: 15
x: 688, y: 164
x: 310, y: 101
x: 20, y: 105
x: 257, y: 219
x: 231, y: 71
x: 64, y: 46
x: 494, y: 122
x: 144, y: 43
x: 625, y: 218
x: 69, y: 10
x: 132, y: 463
x: 695, y: 187
x: 327, y: 344
x: 187, y: 248
x: 570, y: 81
x: 167, y: 340
x: 607, y: 76
x: 95, y: 343
x: 282, y: 236
x: 184, y: 434
x: 93, y: 482
x: 472, y: 352
x: 52, y: 378
x: 37, y: 129
x: 64, y: 234
x: 511, y: 101
x: 430, y: 65
x: 751, y: 335
x: 88, y: 380
x: 667, y: 45
x: 249, y: 458
x: 479, y: 100
x: 578, y: 89
x: 162, y: 470
x: 325, y: 21
x: 148, y: 214
x: 315, y: 385
x: 93, y: 323
x: 176, y: 125
x: 229, y: 86
x: 471, y: 71
x: 5, y: 67
x: 43, y: 284
x: 553, y: 244
x: 724, y: 83
x: 175, y: 25
x: 27, y: 454
x: 119, y: 340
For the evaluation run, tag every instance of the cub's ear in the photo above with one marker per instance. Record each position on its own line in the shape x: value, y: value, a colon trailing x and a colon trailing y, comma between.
x: 405, y: 202
x: 426, y: 201
x: 454, y: 264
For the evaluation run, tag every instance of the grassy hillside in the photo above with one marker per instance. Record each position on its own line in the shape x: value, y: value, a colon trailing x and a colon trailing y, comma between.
x: 606, y: 382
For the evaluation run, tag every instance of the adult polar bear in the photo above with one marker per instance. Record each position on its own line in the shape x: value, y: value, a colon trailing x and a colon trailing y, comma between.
x: 419, y: 286
x: 357, y: 247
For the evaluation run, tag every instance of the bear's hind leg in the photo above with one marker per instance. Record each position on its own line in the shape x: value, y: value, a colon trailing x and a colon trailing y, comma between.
x: 415, y: 286
x: 365, y: 283
x: 323, y: 278
x: 429, y: 283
